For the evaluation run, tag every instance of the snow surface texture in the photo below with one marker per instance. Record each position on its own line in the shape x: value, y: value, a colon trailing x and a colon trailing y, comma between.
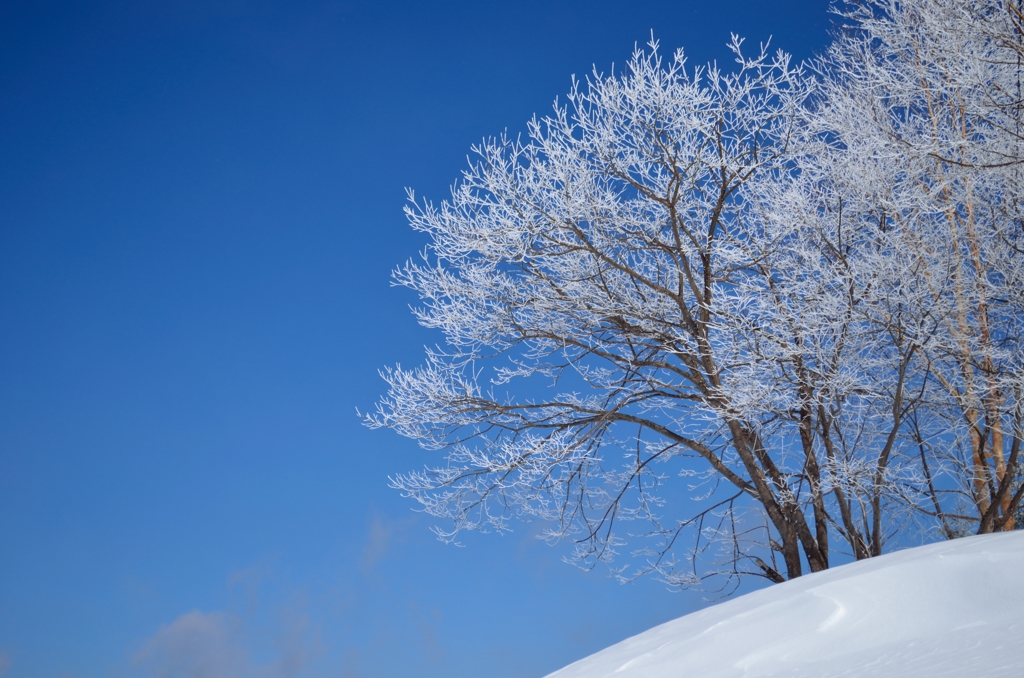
x: 942, y: 610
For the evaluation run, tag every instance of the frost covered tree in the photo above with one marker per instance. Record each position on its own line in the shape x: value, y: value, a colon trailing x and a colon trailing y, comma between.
x: 922, y: 107
x: 705, y: 322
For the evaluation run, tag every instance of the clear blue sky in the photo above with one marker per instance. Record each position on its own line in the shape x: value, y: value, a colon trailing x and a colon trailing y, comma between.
x: 200, y: 206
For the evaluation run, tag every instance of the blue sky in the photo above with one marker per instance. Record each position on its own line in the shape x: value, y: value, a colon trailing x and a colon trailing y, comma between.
x: 200, y: 206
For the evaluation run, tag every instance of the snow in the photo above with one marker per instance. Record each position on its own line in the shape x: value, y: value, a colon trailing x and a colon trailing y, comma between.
x: 948, y: 609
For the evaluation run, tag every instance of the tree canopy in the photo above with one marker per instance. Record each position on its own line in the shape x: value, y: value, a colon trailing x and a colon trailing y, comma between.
x: 723, y: 322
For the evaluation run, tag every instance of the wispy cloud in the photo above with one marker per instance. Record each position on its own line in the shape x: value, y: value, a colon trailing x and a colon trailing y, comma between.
x: 196, y: 645
x: 211, y: 645
x: 427, y: 621
x: 5, y: 663
x: 378, y: 540
x: 293, y: 640
x: 249, y: 581
x: 383, y: 534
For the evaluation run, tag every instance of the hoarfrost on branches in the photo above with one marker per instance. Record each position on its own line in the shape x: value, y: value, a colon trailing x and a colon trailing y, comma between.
x: 723, y: 322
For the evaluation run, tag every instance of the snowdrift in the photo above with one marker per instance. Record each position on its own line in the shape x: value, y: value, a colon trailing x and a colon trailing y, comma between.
x: 955, y: 608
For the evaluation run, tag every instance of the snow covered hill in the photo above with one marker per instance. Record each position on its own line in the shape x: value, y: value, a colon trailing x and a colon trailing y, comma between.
x: 955, y: 608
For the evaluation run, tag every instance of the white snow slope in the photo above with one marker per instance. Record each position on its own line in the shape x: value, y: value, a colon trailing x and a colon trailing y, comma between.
x: 955, y: 608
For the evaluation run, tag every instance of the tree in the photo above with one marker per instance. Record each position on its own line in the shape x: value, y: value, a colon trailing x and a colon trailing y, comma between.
x: 725, y: 306
x: 924, y: 98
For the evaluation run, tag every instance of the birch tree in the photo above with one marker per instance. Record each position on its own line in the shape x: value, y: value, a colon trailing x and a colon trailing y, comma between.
x: 922, y: 102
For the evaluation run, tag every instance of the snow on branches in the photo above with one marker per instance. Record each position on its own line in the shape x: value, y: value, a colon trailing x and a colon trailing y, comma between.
x: 735, y: 320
